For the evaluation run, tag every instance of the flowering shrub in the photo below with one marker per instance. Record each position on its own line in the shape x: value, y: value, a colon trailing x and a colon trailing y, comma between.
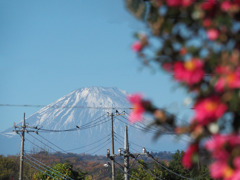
x: 201, y: 49
x: 190, y: 72
x: 137, y: 113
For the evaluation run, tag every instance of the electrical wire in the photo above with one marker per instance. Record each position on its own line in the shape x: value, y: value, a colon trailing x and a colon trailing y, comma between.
x: 85, y: 126
x: 128, y: 124
x: 96, y: 124
x: 46, y: 165
x: 125, y: 172
x: 135, y: 159
x: 39, y: 166
x: 43, y: 143
x: 94, y: 148
x: 52, y: 130
x: 95, y: 142
x: 138, y: 128
x: 39, y: 170
x: 154, y: 131
x: 35, y: 144
x: 147, y: 171
x: 52, y: 143
x: 130, y: 142
x: 101, y: 147
x: 122, y: 142
x: 61, y: 107
x: 43, y: 167
x: 179, y: 175
x: 147, y: 129
x: 95, y: 120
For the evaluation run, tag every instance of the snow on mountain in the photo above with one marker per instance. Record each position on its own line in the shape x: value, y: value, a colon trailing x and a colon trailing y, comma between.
x: 88, y: 109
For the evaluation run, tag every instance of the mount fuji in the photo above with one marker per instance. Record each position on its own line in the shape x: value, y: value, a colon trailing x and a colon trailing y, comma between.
x: 80, y: 122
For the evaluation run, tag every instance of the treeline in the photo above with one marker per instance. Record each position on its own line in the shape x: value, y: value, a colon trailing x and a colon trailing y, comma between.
x: 88, y: 167
x: 172, y: 170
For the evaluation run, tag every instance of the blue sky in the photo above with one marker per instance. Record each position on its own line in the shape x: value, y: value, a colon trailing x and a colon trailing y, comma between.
x: 49, y: 48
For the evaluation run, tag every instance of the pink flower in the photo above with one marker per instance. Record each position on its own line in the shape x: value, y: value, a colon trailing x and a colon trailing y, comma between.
x: 190, y: 72
x: 236, y: 175
x: 229, y: 80
x: 186, y: 3
x: 208, y: 110
x: 209, y: 5
x: 212, y: 34
x: 227, y: 164
x: 137, y: 46
x: 207, y: 22
x: 188, y: 155
x: 233, y: 140
x: 177, y: 3
x: 172, y: 3
x: 216, y: 145
x: 218, y: 141
x: 236, y: 162
x: 138, y: 109
x: 226, y: 5
x: 222, y: 70
x: 220, y: 169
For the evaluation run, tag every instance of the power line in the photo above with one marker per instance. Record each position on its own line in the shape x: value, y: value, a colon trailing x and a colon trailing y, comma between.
x: 122, y: 142
x: 43, y: 167
x: 148, y: 128
x: 43, y: 143
x: 95, y: 142
x: 35, y: 144
x: 95, y: 120
x: 154, y: 131
x: 52, y: 144
x: 140, y: 124
x: 179, y: 175
x: 125, y: 172
x: 131, y: 142
x: 139, y: 128
x: 47, y: 166
x: 129, y: 124
x: 155, y: 160
x: 94, y: 148
x: 141, y: 166
x: 101, y: 146
x: 63, y: 107
x: 39, y: 169
x: 95, y: 124
x: 85, y: 126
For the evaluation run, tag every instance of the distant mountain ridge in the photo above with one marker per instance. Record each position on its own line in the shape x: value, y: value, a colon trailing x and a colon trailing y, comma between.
x: 88, y: 109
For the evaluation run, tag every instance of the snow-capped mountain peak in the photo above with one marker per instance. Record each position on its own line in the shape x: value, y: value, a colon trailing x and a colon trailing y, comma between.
x: 85, y: 108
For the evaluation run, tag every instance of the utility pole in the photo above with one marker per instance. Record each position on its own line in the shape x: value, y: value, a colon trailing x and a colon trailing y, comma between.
x: 22, y: 149
x: 126, y: 155
x: 113, y: 159
x: 21, y: 130
x: 112, y: 156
